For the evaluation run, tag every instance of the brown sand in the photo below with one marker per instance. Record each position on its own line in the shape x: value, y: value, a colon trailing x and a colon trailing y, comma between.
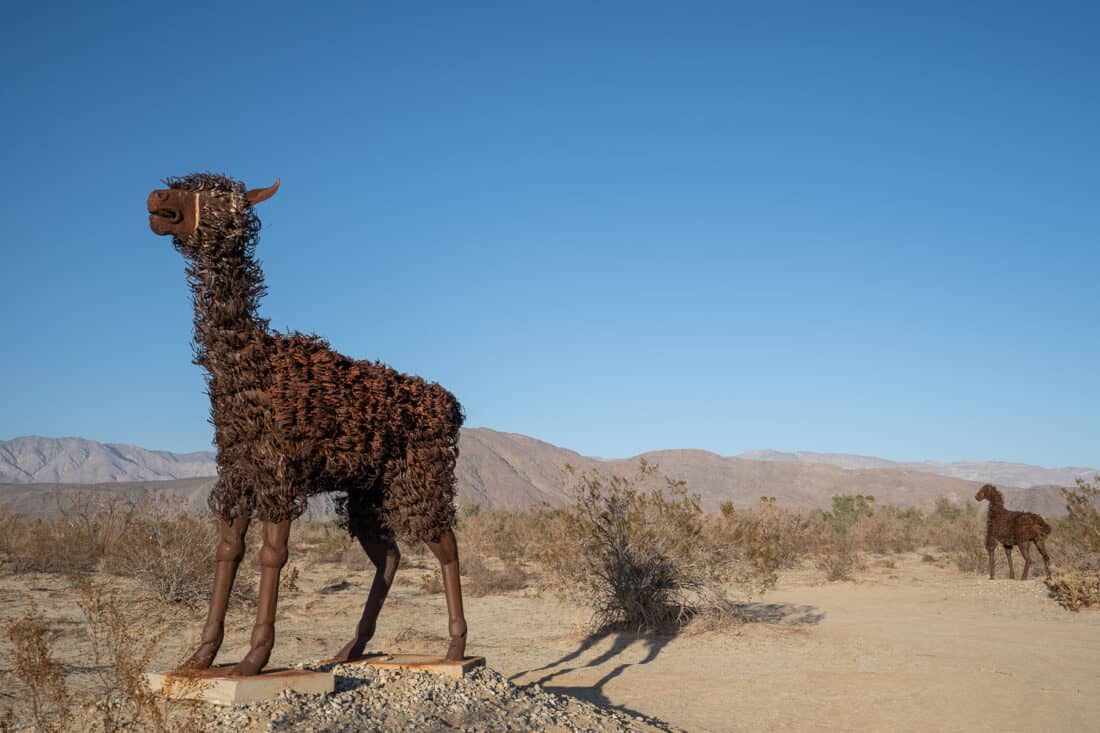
x: 914, y: 647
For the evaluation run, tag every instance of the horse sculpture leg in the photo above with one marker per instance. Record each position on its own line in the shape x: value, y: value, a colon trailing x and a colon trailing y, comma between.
x: 1046, y: 558
x: 1027, y: 559
x: 446, y: 551
x: 273, y: 557
x: 228, y: 554
x: 386, y: 557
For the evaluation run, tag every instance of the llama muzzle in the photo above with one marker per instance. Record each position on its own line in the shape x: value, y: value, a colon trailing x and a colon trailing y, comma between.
x: 173, y: 211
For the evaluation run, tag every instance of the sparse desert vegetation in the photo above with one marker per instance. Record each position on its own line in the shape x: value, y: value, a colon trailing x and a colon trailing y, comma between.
x: 1076, y: 542
x: 106, y: 590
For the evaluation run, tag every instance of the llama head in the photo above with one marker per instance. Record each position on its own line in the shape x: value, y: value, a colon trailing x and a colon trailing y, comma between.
x: 988, y: 492
x: 203, y: 211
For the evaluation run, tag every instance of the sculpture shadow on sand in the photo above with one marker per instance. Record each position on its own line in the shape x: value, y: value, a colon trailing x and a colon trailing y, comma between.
x: 651, y: 645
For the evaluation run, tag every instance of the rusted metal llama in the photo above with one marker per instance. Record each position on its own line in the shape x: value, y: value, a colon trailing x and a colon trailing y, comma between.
x: 293, y: 418
x: 1011, y: 528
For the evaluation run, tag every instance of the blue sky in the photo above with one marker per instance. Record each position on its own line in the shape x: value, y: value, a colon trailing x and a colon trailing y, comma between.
x: 616, y: 227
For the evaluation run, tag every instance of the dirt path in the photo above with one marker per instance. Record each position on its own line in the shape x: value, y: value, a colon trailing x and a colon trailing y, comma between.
x: 916, y: 647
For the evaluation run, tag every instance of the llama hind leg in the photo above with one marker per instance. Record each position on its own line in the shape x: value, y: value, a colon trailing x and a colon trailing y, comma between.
x: 228, y: 554
x: 1011, y: 570
x: 1027, y: 559
x: 446, y: 551
x: 273, y: 556
x: 386, y: 557
x: 1046, y: 557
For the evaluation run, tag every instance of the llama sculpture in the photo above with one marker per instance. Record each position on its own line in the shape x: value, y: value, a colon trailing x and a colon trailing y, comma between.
x: 1012, y: 528
x: 293, y: 418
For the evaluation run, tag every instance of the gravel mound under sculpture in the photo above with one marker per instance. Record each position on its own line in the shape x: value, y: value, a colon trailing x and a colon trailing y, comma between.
x: 1012, y: 528
x: 293, y: 418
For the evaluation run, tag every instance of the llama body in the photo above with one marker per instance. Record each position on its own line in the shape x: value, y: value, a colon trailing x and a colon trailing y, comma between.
x: 293, y: 418
x: 1012, y: 529
x: 334, y: 424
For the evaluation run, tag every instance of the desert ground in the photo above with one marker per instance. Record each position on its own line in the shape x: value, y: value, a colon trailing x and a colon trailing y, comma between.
x: 910, y: 645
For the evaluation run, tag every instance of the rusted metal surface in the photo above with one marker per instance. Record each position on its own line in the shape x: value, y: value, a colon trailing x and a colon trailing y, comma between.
x: 293, y: 418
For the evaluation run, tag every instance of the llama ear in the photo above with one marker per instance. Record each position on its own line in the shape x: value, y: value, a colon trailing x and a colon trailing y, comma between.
x: 257, y: 195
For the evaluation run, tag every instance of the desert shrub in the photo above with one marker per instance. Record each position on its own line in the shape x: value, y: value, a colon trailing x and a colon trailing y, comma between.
x: 496, y: 532
x: 511, y: 577
x: 172, y: 554
x: 431, y: 583
x: 758, y: 542
x: 29, y: 546
x: 120, y: 653
x: 553, y: 546
x: 1075, y: 589
x: 325, y: 542
x: 1083, y: 512
x: 355, y: 559
x: 838, y: 559
x: 472, y: 564
x: 847, y: 509
x: 417, y: 554
x: 640, y: 558
x: 86, y: 532
x: 1074, y: 544
x: 958, y: 532
x: 37, y: 668
x: 11, y: 529
x: 1075, y: 539
x: 946, y: 510
x: 288, y: 580
x: 173, y: 557
x: 42, y: 546
x: 97, y: 525
x: 887, y: 529
x: 483, y: 580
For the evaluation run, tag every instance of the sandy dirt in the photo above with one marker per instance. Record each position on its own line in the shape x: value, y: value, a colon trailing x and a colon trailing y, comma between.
x: 913, y: 647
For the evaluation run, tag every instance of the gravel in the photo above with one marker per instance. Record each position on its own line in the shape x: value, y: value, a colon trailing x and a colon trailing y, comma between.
x: 368, y: 699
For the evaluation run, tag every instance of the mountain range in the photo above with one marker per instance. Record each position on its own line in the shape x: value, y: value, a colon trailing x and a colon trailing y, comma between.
x: 33, y: 459
x: 509, y: 470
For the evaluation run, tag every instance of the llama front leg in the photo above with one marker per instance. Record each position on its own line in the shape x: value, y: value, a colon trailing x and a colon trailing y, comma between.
x: 273, y: 557
x: 386, y: 557
x: 227, y: 555
x: 990, y: 549
x: 446, y: 551
x: 1011, y: 570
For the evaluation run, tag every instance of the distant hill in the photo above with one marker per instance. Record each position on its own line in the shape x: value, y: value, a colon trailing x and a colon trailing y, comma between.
x: 513, y: 471
x: 994, y: 472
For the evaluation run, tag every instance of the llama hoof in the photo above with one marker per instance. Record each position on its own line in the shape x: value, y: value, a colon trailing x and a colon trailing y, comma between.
x: 203, y: 658
x: 250, y: 665
x: 244, y: 668
x: 352, y: 650
x: 456, y: 652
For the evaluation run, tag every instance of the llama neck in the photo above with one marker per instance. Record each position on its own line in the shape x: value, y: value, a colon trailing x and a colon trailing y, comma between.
x: 226, y: 292
x: 996, y: 507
